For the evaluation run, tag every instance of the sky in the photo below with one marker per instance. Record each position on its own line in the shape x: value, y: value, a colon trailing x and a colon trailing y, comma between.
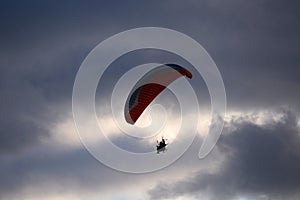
x: 255, y: 45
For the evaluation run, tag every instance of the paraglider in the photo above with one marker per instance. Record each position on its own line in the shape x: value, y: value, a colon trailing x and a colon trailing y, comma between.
x: 149, y: 87
x: 161, y: 146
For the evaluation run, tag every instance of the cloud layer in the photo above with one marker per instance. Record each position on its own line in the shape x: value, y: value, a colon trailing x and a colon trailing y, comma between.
x: 262, y: 162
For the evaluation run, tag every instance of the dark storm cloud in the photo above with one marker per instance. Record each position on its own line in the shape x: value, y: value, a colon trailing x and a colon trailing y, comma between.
x: 255, y: 44
x: 34, y: 89
x: 42, y: 47
x: 263, y: 162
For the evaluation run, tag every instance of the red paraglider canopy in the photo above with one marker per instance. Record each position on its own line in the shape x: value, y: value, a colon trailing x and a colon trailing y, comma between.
x: 149, y: 87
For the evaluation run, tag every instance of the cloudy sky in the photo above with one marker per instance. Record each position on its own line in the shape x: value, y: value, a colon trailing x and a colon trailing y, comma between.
x: 255, y: 45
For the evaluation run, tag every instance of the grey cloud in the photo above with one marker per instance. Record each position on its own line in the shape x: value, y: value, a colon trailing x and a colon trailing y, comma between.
x: 55, y: 174
x: 40, y: 55
x: 263, y: 162
x: 34, y: 92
